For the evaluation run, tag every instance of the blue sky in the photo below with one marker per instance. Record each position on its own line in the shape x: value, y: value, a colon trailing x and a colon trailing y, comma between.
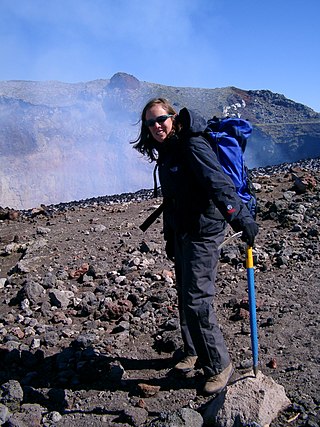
x: 250, y: 44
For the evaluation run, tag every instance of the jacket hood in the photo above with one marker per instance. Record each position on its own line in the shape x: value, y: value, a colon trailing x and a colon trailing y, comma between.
x: 191, y: 121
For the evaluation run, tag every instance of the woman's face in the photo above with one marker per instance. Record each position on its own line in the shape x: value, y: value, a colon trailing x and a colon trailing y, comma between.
x: 159, y: 130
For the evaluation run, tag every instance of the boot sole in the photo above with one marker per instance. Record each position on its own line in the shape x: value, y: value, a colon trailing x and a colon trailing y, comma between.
x: 183, y: 371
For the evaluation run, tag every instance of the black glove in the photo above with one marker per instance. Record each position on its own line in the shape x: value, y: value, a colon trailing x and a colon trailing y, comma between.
x: 249, y: 232
x: 169, y: 248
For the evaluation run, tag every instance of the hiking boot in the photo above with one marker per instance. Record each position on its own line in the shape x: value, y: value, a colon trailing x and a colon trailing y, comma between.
x: 218, y: 382
x: 186, y: 364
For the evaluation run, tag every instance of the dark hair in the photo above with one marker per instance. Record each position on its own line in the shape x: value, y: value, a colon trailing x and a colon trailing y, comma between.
x: 145, y: 143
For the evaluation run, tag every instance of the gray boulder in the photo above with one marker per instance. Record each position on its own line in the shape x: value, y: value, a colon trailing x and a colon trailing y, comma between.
x: 248, y: 401
x: 11, y: 395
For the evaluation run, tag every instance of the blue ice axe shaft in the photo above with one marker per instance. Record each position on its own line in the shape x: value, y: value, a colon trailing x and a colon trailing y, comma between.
x: 252, y: 309
x: 252, y: 301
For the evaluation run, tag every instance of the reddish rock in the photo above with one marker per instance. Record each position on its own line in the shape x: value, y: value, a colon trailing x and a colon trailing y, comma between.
x: 148, y: 390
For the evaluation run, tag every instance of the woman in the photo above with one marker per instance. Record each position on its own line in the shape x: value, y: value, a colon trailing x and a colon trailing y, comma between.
x: 199, y: 200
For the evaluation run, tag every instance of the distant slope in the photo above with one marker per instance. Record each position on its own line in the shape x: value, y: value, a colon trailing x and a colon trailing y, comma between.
x: 61, y: 142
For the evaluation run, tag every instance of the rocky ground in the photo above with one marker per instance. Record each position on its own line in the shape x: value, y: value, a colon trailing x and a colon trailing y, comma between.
x: 89, y: 328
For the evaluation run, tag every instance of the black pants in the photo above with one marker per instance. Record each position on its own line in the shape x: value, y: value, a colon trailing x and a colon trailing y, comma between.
x: 196, y: 261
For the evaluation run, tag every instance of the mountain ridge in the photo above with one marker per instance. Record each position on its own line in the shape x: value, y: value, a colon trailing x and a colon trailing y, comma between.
x: 66, y: 141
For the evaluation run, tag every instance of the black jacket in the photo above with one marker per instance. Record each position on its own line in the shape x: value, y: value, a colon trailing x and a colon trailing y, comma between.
x: 195, y: 189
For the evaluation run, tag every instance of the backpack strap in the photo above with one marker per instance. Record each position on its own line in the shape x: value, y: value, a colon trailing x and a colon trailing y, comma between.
x: 151, y: 218
x: 155, y: 182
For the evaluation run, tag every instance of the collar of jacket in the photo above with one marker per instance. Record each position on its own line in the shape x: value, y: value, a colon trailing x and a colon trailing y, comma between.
x: 168, y: 144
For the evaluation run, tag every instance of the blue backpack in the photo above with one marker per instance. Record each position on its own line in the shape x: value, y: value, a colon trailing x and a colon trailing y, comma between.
x: 228, y: 139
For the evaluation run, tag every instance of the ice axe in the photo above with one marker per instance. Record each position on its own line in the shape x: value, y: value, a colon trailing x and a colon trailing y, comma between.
x: 252, y: 301
x: 252, y: 309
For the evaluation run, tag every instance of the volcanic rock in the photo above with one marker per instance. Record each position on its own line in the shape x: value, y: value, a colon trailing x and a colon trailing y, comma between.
x: 86, y: 316
x: 249, y: 400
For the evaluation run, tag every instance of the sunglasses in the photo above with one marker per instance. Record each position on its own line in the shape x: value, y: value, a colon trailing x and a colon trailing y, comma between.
x: 161, y: 119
